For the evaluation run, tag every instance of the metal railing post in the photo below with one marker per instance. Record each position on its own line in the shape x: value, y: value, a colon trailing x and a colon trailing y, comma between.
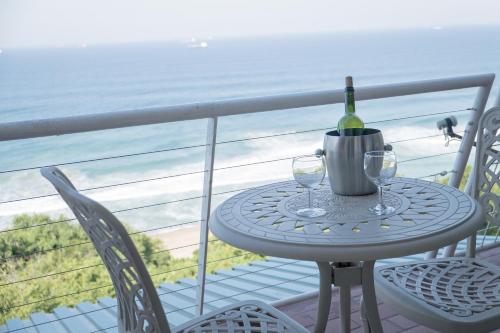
x: 205, y: 211
x: 469, y: 135
x: 463, y: 154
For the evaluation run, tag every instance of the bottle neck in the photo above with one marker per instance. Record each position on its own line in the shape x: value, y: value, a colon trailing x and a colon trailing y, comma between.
x: 349, y: 100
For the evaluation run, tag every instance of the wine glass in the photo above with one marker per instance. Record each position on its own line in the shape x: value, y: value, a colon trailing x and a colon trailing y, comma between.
x: 380, y: 167
x: 309, y: 171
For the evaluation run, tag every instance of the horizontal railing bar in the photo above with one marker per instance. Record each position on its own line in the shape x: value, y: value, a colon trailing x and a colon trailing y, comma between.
x: 110, y: 285
x: 109, y: 120
x: 160, y: 294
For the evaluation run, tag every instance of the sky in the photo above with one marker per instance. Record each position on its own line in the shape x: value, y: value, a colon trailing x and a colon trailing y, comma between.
x: 56, y: 23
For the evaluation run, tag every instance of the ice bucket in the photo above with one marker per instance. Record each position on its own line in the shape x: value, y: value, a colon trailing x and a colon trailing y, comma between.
x: 344, y: 156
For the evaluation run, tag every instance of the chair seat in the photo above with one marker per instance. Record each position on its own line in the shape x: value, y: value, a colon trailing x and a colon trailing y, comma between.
x: 243, y: 317
x: 450, y: 294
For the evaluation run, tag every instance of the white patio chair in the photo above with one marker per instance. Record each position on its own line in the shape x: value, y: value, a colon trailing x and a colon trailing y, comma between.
x: 454, y: 294
x: 139, y: 306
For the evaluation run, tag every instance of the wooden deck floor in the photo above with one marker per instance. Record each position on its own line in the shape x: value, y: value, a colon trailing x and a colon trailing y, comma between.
x: 305, y: 311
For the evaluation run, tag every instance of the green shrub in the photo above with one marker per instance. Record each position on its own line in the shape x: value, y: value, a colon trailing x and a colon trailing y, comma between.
x: 25, y: 257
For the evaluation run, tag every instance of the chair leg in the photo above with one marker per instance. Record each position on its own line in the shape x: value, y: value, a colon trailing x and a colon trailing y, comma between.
x: 362, y: 315
x: 345, y: 308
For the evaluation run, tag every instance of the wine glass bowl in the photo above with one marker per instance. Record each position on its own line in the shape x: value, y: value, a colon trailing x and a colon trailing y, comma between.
x: 309, y: 171
x: 380, y: 168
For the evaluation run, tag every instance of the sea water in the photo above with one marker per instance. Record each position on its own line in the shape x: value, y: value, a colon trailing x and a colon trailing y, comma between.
x: 46, y: 83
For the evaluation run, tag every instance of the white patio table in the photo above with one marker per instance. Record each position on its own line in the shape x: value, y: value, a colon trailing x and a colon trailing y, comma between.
x: 346, y: 242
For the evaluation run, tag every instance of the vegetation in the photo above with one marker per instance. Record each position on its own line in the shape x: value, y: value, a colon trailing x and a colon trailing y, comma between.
x: 28, y: 254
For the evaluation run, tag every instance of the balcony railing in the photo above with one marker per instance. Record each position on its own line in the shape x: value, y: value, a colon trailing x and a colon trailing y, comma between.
x: 213, y: 111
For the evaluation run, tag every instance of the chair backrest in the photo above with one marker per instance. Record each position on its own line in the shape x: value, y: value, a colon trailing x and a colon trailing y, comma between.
x: 139, y: 306
x: 486, y: 181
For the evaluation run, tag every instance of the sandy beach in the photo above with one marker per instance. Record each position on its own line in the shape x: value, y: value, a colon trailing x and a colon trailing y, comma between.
x: 173, y: 239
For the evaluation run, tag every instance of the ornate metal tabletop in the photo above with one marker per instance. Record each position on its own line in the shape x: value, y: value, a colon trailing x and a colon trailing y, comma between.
x: 428, y: 215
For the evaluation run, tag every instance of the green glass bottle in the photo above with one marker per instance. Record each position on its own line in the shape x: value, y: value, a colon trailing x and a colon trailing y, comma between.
x: 349, y: 124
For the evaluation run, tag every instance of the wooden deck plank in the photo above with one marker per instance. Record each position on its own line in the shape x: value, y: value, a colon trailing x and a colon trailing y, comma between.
x: 17, y: 325
x: 213, y: 295
x: 255, y: 290
x: 303, y: 284
x: 277, y: 280
x: 74, y: 320
x: 99, y: 316
x: 47, y: 323
x: 176, y: 314
x: 189, y: 292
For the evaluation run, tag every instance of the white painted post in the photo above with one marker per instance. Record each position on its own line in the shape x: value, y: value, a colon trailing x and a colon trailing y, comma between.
x: 464, y: 151
x: 205, y: 211
x: 469, y: 135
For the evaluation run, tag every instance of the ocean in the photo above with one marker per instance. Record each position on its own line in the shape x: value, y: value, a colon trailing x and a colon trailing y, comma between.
x: 44, y: 83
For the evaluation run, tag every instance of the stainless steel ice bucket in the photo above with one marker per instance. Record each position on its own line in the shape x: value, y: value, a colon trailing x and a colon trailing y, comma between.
x: 344, y: 156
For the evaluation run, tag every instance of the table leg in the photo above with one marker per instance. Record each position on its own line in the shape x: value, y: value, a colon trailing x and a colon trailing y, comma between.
x: 345, y: 308
x: 325, y: 296
x: 369, y: 297
x: 362, y: 311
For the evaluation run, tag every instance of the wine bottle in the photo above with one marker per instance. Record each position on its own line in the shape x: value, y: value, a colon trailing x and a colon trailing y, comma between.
x: 350, y: 124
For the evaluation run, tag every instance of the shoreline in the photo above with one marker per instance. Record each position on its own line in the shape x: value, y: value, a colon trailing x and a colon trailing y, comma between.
x: 178, y: 240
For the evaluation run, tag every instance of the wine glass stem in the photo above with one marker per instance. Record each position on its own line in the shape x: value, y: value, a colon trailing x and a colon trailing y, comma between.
x: 309, y: 190
x: 380, y: 196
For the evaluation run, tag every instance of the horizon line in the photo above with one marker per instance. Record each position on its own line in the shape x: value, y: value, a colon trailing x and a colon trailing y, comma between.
x: 82, y: 45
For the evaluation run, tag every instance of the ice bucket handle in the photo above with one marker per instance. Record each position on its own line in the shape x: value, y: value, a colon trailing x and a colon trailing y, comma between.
x: 320, y: 152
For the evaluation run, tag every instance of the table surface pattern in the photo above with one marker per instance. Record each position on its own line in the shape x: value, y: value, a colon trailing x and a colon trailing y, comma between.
x: 268, y: 212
